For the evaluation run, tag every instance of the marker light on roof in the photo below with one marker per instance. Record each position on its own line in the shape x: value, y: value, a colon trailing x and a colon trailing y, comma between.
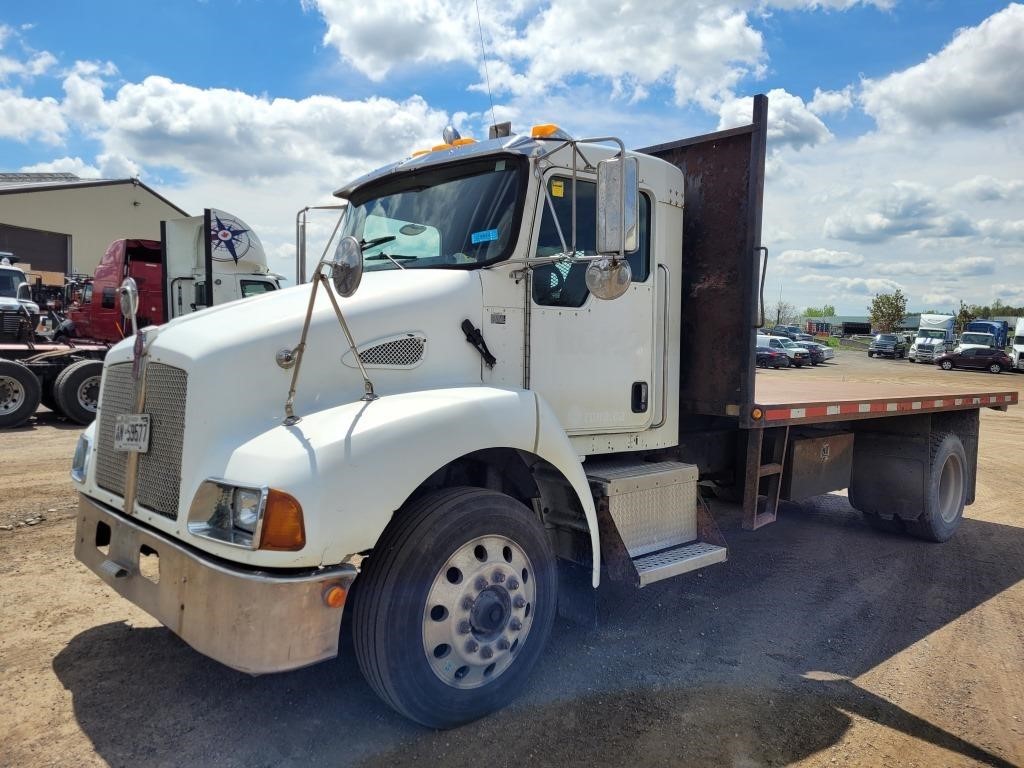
x: 547, y: 131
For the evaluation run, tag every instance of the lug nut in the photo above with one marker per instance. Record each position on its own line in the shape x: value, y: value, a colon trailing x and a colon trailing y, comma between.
x: 513, y: 583
x: 502, y: 644
x: 471, y: 646
x: 519, y: 602
x: 498, y: 577
x: 486, y: 652
x: 515, y: 625
x: 464, y: 627
x: 467, y: 603
x: 481, y: 583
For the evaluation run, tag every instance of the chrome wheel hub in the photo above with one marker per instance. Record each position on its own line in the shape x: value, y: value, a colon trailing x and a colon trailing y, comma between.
x: 88, y: 393
x: 12, y: 394
x: 479, y: 610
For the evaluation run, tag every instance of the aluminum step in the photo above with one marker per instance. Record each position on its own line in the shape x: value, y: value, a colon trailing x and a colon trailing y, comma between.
x: 672, y: 562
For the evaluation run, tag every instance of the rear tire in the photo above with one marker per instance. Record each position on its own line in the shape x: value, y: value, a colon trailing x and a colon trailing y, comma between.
x: 876, y: 521
x: 995, y: 368
x: 946, y: 365
x: 77, y: 390
x: 455, y: 605
x: 20, y: 393
x: 947, y: 491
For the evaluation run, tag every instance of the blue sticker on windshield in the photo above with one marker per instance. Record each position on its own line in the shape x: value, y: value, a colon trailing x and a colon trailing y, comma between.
x: 485, y: 236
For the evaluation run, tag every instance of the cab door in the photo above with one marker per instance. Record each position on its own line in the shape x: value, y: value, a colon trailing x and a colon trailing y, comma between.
x: 593, y: 361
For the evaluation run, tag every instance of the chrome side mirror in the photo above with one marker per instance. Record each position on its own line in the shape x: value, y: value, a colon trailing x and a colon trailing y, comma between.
x: 618, y: 205
x: 128, y: 292
x: 346, y: 268
x: 608, y: 278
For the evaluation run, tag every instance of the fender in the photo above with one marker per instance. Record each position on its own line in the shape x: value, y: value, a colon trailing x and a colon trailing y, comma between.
x: 353, y: 465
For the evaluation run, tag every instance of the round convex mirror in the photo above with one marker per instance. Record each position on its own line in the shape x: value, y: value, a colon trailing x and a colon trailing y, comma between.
x: 347, y: 266
x: 129, y: 293
x: 608, y: 278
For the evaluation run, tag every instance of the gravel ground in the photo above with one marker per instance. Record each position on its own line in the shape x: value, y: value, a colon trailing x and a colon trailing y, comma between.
x: 820, y: 642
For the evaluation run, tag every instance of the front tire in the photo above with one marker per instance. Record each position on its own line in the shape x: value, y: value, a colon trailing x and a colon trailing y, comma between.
x: 455, y: 605
x: 946, y: 365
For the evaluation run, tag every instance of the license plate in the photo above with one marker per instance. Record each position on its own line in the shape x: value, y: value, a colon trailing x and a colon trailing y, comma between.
x: 131, y: 432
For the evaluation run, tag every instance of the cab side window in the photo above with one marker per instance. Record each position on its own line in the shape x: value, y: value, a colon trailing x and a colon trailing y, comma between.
x: 563, y: 284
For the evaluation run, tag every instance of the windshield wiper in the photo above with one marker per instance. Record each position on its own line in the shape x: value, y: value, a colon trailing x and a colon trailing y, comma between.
x: 373, y: 242
x: 382, y: 255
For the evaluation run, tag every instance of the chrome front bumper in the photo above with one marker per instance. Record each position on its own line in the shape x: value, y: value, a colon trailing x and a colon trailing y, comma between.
x: 252, y: 621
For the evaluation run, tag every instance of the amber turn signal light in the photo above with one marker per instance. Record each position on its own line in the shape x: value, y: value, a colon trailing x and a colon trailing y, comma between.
x: 283, y: 529
x: 334, y: 596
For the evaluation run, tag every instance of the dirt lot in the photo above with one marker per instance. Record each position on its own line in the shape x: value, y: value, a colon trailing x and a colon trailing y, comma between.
x: 820, y: 642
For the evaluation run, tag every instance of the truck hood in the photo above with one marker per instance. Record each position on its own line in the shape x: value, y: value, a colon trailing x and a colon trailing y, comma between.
x: 8, y: 304
x: 923, y: 341
x: 229, y: 351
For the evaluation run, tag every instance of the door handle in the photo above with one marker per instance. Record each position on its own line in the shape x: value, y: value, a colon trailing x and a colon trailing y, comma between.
x: 638, y: 397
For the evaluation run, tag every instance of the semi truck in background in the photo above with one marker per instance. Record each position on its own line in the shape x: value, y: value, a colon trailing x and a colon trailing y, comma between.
x: 547, y: 365
x: 934, y: 338
x: 1018, y: 345
x: 199, y: 261
x: 999, y: 330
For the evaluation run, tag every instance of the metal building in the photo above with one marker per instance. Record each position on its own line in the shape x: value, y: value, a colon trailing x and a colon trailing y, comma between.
x: 61, y: 224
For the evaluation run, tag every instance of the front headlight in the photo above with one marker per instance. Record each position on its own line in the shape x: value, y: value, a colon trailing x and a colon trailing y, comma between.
x: 246, y: 516
x: 80, y: 461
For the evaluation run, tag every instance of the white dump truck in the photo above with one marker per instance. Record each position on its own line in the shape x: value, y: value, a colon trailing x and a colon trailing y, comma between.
x: 505, y: 386
x: 934, y: 338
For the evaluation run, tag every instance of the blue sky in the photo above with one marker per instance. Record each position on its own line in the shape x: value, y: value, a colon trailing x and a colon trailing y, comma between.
x: 894, y: 159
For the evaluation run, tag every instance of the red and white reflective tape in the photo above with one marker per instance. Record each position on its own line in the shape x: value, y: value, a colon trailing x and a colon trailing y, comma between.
x: 810, y: 412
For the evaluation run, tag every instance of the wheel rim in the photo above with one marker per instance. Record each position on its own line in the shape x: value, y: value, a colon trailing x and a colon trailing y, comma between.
x: 994, y: 368
x: 479, y: 610
x: 88, y: 393
x: 12, y: 394
x: 951, y: 488
x: 947, y: 365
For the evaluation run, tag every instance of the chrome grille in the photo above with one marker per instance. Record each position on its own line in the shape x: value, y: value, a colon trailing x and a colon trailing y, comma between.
x: 118, y: 397
x: 405, y: 351
x: 160, y: 469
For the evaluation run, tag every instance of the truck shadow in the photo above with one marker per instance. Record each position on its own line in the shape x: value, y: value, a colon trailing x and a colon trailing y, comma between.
x: 744, y: 664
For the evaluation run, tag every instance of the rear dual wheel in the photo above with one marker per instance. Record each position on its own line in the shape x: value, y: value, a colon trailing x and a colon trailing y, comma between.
x: 20, y: 392
x: 76, y: 390
x: 455, y: 606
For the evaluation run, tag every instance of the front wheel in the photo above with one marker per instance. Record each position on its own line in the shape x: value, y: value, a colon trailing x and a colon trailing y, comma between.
x: 946, y: 365
x: 871, y: 354
x: 455, y: 605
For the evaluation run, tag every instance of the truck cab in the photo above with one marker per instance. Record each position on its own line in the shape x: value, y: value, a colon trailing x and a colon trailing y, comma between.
x: 934, y: 338
x: 19, y: 315
x: 1018, y: 345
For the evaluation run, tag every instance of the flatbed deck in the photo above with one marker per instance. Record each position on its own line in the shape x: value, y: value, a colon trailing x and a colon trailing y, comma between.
x: 802, y: 401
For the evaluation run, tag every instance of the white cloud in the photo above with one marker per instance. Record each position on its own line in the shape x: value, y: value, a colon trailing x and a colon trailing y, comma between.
x: 940, y: 300
x: 975, y: 81
x: 24, y: 119
x: 901, y: 208
x: 857, y: 285
x: 790, y: 122
x: 75, y: 165
x: 821, y: 258
x: 830, y: 102
x: 987, y: 188
x: 965, y: 266
x: 1002, y: 231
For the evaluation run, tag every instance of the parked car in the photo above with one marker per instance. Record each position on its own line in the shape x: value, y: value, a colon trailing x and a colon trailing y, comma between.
x: 771, y: 358
x: 802, y: 337
x: 979, y: 358
x: 798, y: 355
x: 781, y: 330
x: 827, y: 353
x: 888, y: 345
x: 817, y: 356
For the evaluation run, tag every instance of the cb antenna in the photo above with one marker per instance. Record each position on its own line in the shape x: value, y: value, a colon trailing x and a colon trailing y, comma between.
x: 483, y: 59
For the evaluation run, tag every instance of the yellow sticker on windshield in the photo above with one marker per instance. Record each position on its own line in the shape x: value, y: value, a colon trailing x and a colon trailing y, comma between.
x: 557, y: 188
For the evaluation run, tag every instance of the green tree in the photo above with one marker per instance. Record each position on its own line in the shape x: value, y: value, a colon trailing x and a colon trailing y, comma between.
x: 829, y: 310
x: 888, y: 310
x: 964, y: 316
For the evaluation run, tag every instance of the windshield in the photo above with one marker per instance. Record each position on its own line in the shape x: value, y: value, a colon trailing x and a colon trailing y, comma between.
x: 460, y: 216
x: 885, y: 337
x: 9, y: 282
x: 1019, y: 340
x: 788, y: 343
x: 977, y: 338
x: 925, y: 333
